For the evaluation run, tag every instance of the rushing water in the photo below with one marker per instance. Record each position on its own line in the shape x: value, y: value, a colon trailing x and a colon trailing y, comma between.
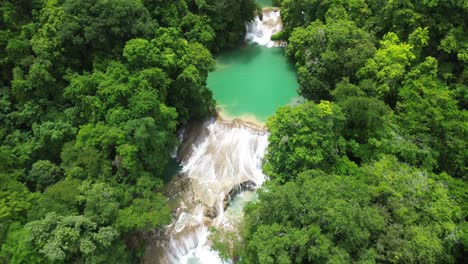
x: 261, y: 29
x: 221, y: 158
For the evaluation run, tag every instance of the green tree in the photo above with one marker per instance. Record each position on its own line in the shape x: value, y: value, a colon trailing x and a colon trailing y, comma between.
x: 368, y: 121
x: 304, y: 137
x: 100, y: 202
x: 148, y: 209
x: 50, y: 138
x: 16, y: 249
x: 15, y: 202
x: 326, y: 53
x: 186, y: 64
x: 61, y: 198
x: 419, y: 213
x: 300, y: 13
x: 149, y: 141
x: 387, y: 68
x: 198, y: 29
x: 73, y: 29
x: 315, y: 218
x: 429, y: 113
x: 227, y: 19
x: 387, y: 212
x: 64, y: 238
x: 43, y: 174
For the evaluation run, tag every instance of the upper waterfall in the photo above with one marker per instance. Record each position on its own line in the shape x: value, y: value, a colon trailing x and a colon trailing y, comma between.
x: 261, y: 29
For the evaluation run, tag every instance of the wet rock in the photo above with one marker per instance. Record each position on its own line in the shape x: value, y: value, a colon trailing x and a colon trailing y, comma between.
x: 211, y: 212
x: 245, y: 186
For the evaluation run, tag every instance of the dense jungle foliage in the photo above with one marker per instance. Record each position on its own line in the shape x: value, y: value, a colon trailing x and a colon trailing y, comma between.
x: 372, y: 168
x: 91, y: 95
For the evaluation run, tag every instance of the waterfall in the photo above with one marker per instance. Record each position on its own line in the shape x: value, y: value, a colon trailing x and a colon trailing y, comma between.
x: 218, y: 156
x: 221, y: 169
x: 260, y: 30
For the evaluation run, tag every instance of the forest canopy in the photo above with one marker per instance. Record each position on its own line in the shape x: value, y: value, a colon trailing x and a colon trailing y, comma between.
x: 372, y: 167
x: 92, y: 93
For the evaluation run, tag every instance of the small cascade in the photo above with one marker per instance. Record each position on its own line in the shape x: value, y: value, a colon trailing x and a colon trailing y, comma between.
x: 261, y: 29
x: 219, y: 158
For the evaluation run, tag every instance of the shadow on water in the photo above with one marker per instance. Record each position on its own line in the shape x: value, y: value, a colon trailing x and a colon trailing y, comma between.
x: 172, y: 169
x: 289, y: 61
x: 244, y: 54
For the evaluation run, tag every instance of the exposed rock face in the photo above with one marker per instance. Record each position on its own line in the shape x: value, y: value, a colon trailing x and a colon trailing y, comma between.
x: 245, y: 186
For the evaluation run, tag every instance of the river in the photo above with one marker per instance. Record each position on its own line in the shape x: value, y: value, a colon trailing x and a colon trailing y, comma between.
x: 221, y: 158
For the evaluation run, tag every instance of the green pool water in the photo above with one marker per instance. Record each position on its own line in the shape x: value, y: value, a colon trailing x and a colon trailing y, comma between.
x: 253, y: 80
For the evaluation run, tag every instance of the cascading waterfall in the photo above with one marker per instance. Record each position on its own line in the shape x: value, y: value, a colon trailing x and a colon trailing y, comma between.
x: 218, y: 156
x: 221, y: 169
x: 261, y: 29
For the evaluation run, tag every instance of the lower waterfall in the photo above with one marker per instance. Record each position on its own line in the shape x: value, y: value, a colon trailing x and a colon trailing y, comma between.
x: 220, y: 158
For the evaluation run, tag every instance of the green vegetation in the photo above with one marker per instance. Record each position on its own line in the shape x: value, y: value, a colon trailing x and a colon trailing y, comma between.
x: 385, y: 211
x: 373, y: 169
x: 91, y: 95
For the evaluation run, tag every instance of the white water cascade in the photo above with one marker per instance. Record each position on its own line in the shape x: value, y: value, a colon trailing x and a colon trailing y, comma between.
x: 219, y: 158
x: 261, y: 29
x: 221, y: 169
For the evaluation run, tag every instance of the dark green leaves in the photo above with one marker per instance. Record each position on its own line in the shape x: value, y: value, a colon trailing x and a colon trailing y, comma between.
x: 326, y: 53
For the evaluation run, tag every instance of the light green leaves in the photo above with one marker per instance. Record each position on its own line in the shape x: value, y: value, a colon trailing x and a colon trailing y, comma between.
x: 303, y: 137
x: 60, y: 238
x: 388, y: 66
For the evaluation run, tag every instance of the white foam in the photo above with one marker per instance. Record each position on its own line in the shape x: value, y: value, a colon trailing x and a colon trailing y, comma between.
x: 202, y: 252
x: 260, y: 31
x: 228, y: 154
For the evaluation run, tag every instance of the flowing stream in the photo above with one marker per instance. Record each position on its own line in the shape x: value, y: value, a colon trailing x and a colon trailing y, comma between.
x: 221, y: 158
